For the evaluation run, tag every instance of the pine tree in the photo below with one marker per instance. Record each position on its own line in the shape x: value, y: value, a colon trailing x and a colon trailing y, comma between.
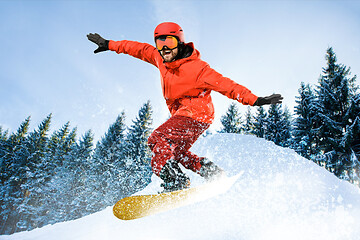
x: 85, y: 197
x: 57, y: 167
x: 3, y: 148
x: 248, y: 126
x: 351, y: 139
x: 3, y: 134
x: 66, y: 178
x: 137, y: 148
x: 260, y: 123
x: 109, y: 161
x: 305, y: 142
x: 13, y: 175
x: 231, y: 121
x: 138, y: 154
x: 278, y: 125
x: 30, y: 210
x: 351, y: 142
x: 113, y: 141
x: 85, y: 147
x: 7, y: 198
x: 286, y: 128
x: 334, y: 92
x: 273, y: 126
x: 57, y: 148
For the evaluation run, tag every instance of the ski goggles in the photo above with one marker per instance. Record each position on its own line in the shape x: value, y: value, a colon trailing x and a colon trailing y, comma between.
x: 170, y: 42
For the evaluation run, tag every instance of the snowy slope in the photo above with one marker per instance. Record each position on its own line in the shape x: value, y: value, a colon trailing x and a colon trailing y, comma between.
x: 280, y: 196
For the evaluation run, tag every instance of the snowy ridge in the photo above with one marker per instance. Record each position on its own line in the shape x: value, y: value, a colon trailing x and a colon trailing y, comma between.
x: 280, y: 196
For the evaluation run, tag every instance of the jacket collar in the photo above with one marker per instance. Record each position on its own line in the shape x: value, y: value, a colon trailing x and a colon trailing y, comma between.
x: 175, y: 64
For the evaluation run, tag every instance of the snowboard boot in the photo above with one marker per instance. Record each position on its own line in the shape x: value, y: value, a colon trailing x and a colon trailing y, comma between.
x: 173, y: 177
x: 210, y: 171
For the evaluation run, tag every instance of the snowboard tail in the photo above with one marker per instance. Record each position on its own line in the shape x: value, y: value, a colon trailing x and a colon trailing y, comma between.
x: 134, y: 207
x: 139, y: 206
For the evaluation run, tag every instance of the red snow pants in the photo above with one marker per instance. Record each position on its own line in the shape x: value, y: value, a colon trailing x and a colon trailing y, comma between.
x: 173, y: 139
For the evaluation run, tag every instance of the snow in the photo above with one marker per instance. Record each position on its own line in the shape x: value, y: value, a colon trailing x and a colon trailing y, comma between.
x: 279, y: 196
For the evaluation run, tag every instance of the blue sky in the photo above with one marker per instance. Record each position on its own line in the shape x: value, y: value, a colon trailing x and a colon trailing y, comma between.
x: 48, y: 66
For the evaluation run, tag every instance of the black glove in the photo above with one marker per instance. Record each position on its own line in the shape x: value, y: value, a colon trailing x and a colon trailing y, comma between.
x: 97, y: 39
x: 273, y: 99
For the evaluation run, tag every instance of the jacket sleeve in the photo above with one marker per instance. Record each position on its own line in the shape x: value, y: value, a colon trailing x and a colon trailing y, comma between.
x: 143, y: 51
x: 215, y: 81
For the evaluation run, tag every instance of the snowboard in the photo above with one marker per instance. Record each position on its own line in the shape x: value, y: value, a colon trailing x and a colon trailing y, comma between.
x: 139, y: 206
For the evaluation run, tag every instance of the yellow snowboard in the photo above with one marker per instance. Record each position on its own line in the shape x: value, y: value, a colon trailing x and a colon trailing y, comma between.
x: 134, y: 207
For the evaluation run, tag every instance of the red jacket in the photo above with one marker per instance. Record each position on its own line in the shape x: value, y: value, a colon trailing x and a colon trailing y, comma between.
x: 187, y: 83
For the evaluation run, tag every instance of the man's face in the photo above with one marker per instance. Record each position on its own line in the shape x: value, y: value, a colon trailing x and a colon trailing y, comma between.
x: 169, y: 54
x: 168, y: 47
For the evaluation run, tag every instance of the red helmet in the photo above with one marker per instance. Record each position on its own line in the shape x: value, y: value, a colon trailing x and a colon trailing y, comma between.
x: 169, y: 28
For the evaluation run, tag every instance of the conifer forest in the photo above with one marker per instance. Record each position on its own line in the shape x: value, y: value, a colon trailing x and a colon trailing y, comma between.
x: 54, y: 176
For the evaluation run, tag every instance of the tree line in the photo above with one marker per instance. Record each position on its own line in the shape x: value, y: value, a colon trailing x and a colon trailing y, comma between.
x: 324, y: 128
x: 47, y: 179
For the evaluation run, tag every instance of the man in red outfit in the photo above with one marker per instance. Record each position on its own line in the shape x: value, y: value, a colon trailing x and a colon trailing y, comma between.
x: 187, y: 82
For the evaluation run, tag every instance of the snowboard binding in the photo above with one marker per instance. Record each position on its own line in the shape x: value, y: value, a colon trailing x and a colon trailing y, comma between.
x: 210, y: 171
x: 173, y: 177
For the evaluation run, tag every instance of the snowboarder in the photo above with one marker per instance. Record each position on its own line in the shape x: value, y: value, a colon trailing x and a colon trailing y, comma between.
x: 186, y: 82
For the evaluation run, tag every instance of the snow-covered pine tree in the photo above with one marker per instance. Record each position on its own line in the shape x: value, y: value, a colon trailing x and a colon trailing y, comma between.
x: 137, y: 171
x: 74, y: 173
x: 57, y: 165
x: 31, y: 210
x: 273, y: 124
x: 4, y: 149
x: 260, y: 122
x: 248, y: 125
x: 3, y: 153
x: 136, y: 140
x: 304, y: 135
x: 351, y: 142
x: 3, y: 176
x: 352, y: 136
x: 113, y: 141
x: 57, y: 148
x: 85, y: 148
x: 334, y: 93
x: 109, y: 159
x: 287, y: 128
x: 231, y: 121
x: 13, y: 175
x: 3, y: 134
x: 85, y: 199
x: 278, y: 125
